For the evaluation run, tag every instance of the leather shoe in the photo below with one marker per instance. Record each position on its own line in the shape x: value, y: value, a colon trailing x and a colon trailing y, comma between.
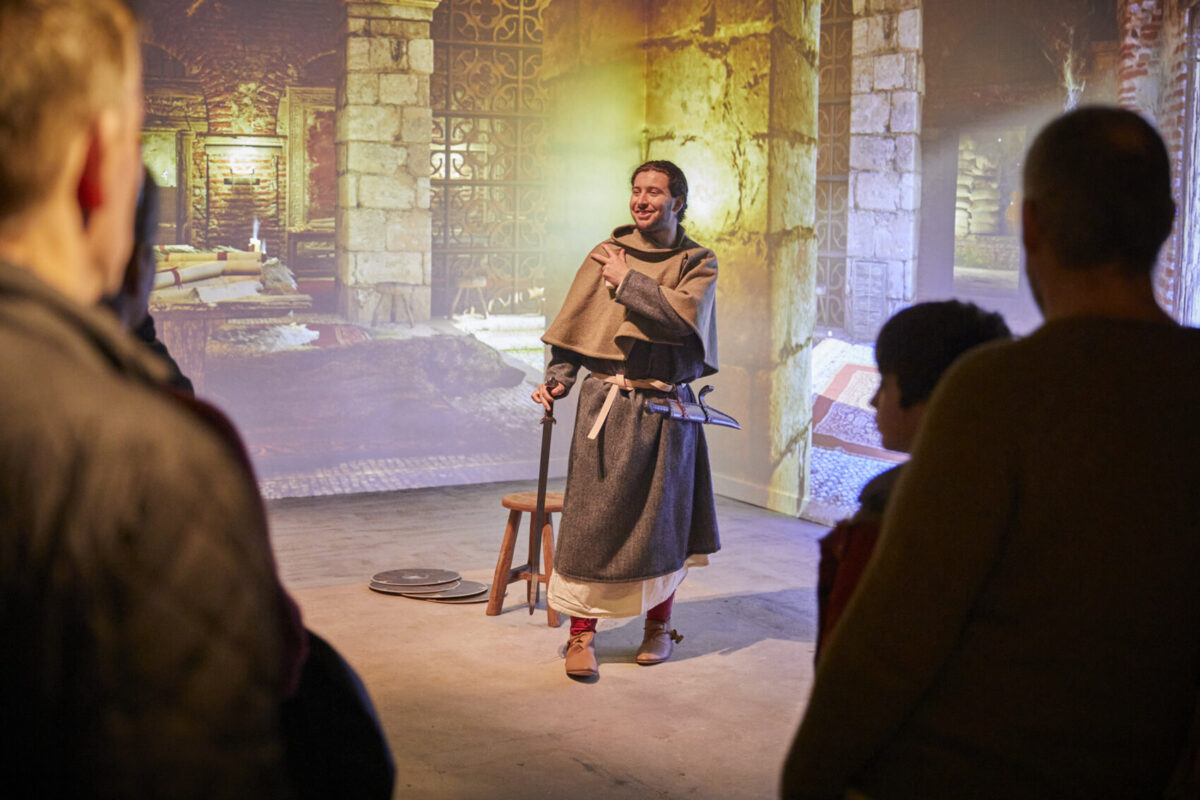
x: 581, y: 655
x: 657, y: 643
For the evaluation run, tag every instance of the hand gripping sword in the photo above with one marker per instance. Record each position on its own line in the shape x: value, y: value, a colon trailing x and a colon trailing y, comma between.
x: 539, y: 517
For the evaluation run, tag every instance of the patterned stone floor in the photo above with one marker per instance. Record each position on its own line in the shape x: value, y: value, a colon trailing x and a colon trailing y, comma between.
x: 836, y: 476
x: 836, y: 479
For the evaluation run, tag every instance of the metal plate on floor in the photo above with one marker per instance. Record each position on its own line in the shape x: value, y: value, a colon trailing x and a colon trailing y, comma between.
x: 386, y: 588
x: 422, y: 590
x: 463, y: 590
x: 415, y: 577
x: 482, y: 597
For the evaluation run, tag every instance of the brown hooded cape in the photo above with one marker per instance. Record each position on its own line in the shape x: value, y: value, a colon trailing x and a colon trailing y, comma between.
x: 592, y: 323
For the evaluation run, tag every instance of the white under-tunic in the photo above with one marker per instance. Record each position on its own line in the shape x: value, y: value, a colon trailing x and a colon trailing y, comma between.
x: 609, y: 600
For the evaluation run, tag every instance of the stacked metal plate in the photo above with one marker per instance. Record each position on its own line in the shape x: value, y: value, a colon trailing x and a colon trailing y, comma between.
x: 438, y: 585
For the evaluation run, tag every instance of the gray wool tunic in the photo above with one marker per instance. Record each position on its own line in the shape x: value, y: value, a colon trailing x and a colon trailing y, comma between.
x: 639, y: 498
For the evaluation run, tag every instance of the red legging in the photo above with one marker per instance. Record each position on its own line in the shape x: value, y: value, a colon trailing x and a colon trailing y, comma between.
x: 660, y: 613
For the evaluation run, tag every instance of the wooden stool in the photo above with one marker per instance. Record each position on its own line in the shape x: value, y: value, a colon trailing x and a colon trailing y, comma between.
x: 475, y: 283
x: 392, y: 296
x: 506, y: 573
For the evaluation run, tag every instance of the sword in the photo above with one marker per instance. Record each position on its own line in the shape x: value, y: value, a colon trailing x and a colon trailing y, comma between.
x: 699, y: 411
x: 539, y: 517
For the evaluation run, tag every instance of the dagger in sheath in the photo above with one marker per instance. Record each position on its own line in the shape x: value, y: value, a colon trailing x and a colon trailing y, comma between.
x: 539, y: 517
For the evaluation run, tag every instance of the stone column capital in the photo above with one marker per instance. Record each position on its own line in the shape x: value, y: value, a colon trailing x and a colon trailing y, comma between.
x: 396, y: 9
x: 371, y: 7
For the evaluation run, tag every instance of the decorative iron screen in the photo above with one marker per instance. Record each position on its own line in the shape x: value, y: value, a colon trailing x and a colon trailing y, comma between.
x: 488, y: 156
x: 833, y: 161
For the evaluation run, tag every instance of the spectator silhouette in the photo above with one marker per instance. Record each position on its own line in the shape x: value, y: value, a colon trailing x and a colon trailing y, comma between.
x: 148, y: 645
x: 1027, y: 627
x: 914, y: 348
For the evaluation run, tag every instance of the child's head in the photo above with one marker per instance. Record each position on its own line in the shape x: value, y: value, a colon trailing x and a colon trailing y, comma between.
x: 915, y: 347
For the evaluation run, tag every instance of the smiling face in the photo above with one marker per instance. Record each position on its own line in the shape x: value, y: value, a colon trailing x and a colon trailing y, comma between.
x: 655, y: 212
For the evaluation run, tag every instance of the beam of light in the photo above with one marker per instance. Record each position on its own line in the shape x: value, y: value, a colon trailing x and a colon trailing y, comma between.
x: 1071, y: 81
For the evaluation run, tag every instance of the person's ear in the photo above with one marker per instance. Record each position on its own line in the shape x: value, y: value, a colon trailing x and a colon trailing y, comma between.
x: 678, y: 205
x: 90, y: 192
x: 91, y: 189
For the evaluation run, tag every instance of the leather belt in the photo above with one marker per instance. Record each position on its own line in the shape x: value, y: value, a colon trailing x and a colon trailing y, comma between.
x: 616, y: 384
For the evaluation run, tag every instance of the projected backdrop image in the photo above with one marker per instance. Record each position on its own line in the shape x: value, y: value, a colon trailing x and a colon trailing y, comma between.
x: 369, y: 211
x: 355, y: 273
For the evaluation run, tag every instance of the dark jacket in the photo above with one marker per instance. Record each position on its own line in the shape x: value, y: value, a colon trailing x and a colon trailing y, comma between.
x: 143, y: 629
x: 845, y: 552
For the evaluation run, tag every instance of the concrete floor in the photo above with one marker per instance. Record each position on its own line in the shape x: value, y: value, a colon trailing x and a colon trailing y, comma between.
x: 479, y: 707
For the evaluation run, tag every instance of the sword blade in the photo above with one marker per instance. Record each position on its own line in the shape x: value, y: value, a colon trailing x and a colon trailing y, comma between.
x: 539, y: 517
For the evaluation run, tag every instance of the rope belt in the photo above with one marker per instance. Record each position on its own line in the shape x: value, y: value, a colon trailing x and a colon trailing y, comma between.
x: 616, y: 384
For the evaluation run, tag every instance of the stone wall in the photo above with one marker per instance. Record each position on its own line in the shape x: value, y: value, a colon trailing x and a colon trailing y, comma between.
x: 243, y: 57
x: 728, y: 90
x: 594, y: 69
x: 383, y: 135
x: 745, y: 77
x: 885, y: 161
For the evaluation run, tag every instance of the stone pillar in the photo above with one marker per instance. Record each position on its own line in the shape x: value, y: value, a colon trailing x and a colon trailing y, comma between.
x: 888, y: 84
x: 383, y: 135
x: 727, y: 90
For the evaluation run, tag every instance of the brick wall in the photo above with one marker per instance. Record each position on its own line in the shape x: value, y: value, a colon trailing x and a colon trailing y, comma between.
x: 1140, y: 64
x: 236, y: 199
x: 1152, y: 79
x: 244, y: 56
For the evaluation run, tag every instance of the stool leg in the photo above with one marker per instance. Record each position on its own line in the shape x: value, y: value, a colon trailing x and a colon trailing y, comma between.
x: 548, y: 554
x: 504, y: 564
x: 408, y: 309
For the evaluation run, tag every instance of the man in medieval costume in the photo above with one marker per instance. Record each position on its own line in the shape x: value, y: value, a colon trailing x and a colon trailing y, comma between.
x: 640, y: 316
